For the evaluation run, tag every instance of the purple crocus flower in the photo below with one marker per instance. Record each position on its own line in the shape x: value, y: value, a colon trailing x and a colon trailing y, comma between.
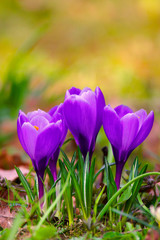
x: 56, y: 114
x: 39, y: 135
x: 125, y: 130
x: 83, y: 111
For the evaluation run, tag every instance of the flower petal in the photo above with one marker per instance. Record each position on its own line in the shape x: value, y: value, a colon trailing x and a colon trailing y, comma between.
x: 100, y: 108
x: 48, y: 141
x: 90, y: 97
x: 20, y: 136
x: 112, y: 126
x: 39, y: 112
x: 22, y: 118
x: 80, y: 117
x: 122, y: 110
x: 40, y: 122
x: 130, y: 126
x: 144, y: 130
x: 86, y: 89
x: 100, y: 104
x: 142, y: 114
x: 72, y: 91
x: 29, y: 134
x: 53, y: 110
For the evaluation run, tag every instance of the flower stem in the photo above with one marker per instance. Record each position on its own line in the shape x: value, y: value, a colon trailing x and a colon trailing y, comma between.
x: 53, y: 163
x: 52, y: 166
x: 40, y: 189
x: 119, y: 168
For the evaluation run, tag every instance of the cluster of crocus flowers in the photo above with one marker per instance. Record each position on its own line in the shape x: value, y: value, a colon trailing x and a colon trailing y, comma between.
x: 83, y: 112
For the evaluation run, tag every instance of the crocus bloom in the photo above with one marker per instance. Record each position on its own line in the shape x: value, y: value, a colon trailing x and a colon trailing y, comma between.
x: 56, y: 114
x: 40, y: 136
x: 83, y: 111
x: 125, y: 130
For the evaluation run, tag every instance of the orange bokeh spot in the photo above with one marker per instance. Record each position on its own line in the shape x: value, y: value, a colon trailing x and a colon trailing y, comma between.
x: 37, y: 128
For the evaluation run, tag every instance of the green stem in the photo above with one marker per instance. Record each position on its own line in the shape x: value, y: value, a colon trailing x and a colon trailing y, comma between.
x: 113, y: 198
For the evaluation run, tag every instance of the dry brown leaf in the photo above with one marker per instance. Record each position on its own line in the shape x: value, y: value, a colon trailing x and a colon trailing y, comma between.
x: 12, y: 174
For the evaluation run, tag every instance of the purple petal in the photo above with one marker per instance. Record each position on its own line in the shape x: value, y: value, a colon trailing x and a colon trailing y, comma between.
x: 90, y: 97
x: 100, y: 108
x: 72, y: 91
x: 29, y: 134
x: 39, y: 112
x: 130, y: 126
x: 122, y: 110
x: 48, y: 141
x: 57, y: 114
x: 86, y: 89
x: 53, y: 110
x: 22, y: 118
x: 39, y: 122
x: 100, y: 104
x: 112, y: 126
x: 80, y: 117
x: 144, y: 131
x: 53, y: 162
x: 20, y: 136
x: 141, y: 116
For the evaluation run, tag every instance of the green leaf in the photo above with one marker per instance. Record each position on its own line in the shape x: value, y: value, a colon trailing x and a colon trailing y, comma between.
x: 134, y: 169
x: 73, y: 158
x: 96, y: 204
x: 125, y: 195
x: 80, y: 171
x: 90, y: 189
x: 111, y: 185
x: 101, y: 169
x: 50, y: 176
x: 68, y: 193
x: 45, y: 232
x: 65, y: 156
x: 114, y: 235
x: 147, y: 211
x: 25, y: 185
x: 68, y: 140
x: 86, y: 181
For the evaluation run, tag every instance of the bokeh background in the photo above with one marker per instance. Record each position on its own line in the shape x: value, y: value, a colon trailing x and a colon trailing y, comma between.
x: 48, y: 46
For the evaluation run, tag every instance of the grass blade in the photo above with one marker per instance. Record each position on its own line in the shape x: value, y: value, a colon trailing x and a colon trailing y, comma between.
x: 86, y: 181
x: 25, y: 185
x: 100, y: 170
x: 111, y: 185
x: 90, y: 189
x: 68, y: 193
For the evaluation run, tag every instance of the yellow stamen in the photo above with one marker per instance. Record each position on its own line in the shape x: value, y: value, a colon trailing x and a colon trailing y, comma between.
x: 37, y: 128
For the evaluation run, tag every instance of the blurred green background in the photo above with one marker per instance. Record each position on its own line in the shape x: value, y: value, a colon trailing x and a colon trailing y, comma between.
x: 49, y: 46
